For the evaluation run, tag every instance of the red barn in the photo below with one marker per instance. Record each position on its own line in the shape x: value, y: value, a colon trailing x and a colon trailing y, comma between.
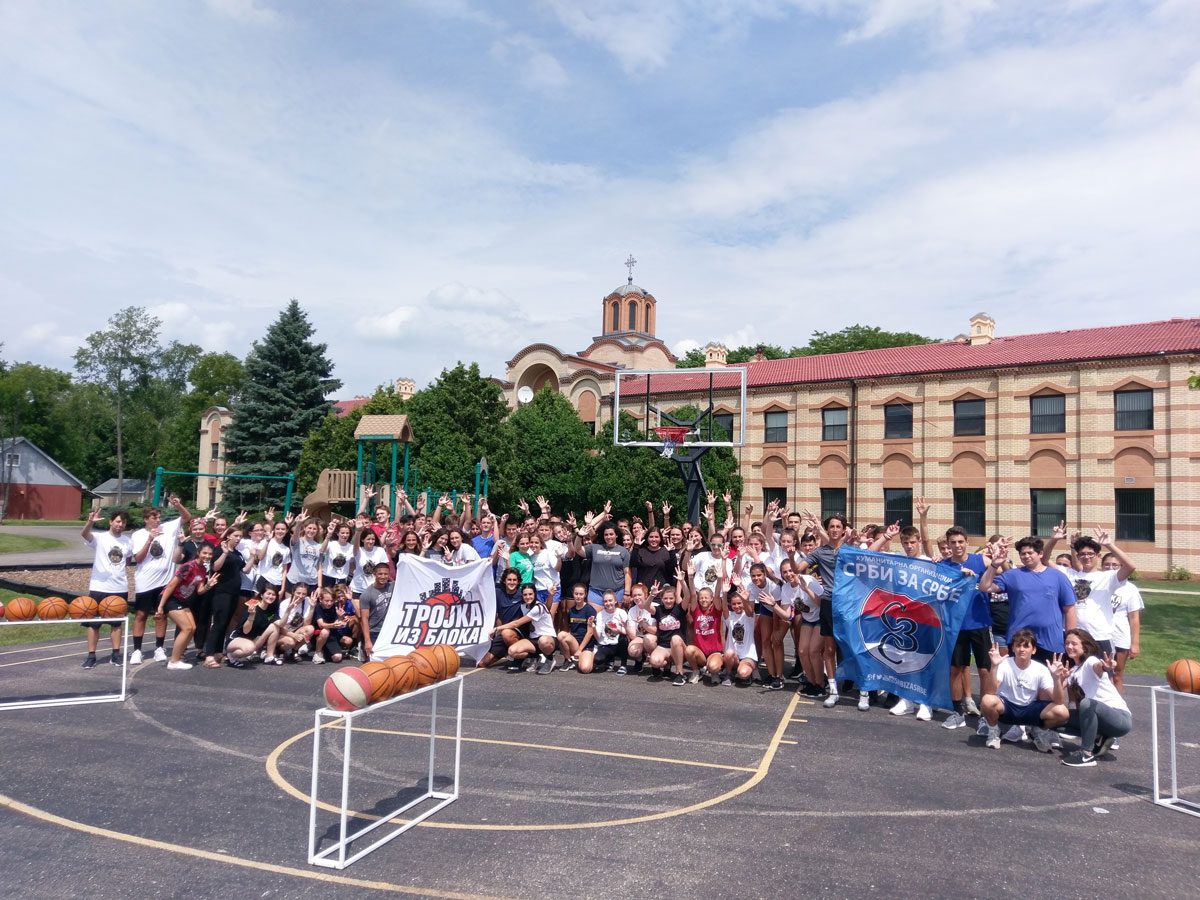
x: 37, y: 487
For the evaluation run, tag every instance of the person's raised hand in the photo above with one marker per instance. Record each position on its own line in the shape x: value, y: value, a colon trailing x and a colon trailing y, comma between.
x: 1060, y: 531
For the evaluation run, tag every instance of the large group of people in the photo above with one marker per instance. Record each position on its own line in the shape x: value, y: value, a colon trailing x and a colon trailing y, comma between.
x: 1049, y: 635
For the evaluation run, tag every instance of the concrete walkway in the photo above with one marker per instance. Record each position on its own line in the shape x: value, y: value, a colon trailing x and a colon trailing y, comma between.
x: 75, y: 551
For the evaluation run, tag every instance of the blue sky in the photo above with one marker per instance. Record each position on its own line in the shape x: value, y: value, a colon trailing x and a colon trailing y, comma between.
x: 442, y: 180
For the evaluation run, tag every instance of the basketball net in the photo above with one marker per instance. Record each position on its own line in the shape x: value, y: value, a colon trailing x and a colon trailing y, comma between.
x: 672, y: 436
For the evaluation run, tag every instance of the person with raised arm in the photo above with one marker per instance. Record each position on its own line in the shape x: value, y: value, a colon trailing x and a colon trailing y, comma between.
x: 1025, y: 692
x: 155, y: 547
x: 112, y: 550
x: 1094, y: 585
x: 191, y: 580
x: 306, y: 554
x: 1101, y: 714
x: 1040, y: 597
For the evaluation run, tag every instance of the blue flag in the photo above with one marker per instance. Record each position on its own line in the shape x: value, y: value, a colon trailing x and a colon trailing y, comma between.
x: 897, y: 620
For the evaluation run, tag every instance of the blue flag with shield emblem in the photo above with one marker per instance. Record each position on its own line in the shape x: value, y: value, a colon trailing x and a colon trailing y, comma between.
x: 897, y: 620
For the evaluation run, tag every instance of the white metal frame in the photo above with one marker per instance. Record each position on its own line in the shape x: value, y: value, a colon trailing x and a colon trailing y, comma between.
x: 1174, y: 801
x: 740, y: 371
x: 78, y: 699
x: 326, y: 857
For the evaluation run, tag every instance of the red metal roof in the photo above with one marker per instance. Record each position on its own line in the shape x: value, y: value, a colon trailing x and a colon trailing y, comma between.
x: 344, y: 407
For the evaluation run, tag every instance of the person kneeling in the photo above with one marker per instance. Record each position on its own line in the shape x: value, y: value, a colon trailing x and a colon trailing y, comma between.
x: 1025, y: 693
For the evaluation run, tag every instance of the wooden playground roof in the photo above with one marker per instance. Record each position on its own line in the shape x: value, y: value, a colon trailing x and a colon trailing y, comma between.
x: 383, y: 428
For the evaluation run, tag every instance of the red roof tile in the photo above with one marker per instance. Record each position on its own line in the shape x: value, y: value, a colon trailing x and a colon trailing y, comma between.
x: 344, y: 407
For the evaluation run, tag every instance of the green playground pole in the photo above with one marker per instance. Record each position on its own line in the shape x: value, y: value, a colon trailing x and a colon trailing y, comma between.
x: 395, y: 448
x: 287, y: 503
x: 406, y: 468
x: 358, y: 477
x: 158, y: 474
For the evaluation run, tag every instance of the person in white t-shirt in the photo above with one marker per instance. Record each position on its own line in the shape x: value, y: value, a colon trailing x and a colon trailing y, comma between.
x: 274, y: 560
x: 336, y: 553
x: 306, y: 554
x: 1127, y: 622
x: 542, y: 640
x: 290, y: 633
x: 1101, y: 714
x: 154, y: 549
x: 113, y: 551
x: 1094, y: 586
x: 741, y: 659
x: 368, y: 556
x: 1025, y: 692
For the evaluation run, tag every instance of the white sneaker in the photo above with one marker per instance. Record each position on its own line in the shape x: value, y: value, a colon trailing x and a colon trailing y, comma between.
x: 303, y: 651
x: 972, y: 709
x: 1014, y: 735
x: 925, y: 712
x: 318, y: 660
x: 179, y: 666
x: 160, y: 655
x: 993, y: 738
x: 831, y: 700
x: 864, y: 701
x: 901, y: 708
x: 135, y: 658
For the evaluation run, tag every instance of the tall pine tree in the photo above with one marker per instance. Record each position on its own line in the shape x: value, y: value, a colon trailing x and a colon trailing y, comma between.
x: 287, y: 379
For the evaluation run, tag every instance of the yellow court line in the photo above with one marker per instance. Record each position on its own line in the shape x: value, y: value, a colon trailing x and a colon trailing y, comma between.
x: 805, y: 721
x: 787, y: 742
x: 807, y: 702
x: 638, y: 757
x: 51, y: 818
x: 759, y: 773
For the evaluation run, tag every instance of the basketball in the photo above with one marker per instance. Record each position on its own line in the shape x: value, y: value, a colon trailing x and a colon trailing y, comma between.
x: 83, y: 608
x: 20, y: 609
x: 1, y: 610
x: 380, y: 675
x: 448, y: 659
x: 1182, y: 675
x: 426, y: 665
x: 347, y: 689
x: 113, y: 607
x: 52, y: 608
x: 403, y: 673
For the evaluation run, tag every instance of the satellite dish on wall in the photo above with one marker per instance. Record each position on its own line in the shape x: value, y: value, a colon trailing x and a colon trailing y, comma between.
x: 524, y: 394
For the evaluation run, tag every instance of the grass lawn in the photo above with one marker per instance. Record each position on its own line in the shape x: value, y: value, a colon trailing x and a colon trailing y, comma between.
x: 20, y: 543
x: 11, y: 635
x: 77, y: 522
x: 1170, y: 626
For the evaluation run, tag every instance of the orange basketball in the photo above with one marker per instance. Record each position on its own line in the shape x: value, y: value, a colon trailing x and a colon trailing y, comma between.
x: 113, y: 607
x: 404, y: 674
x: 52, y: 608
x: 448, y: 657
x: 20, y: 609
x: 382, y: 680
x: 83, y: 608
x: 1182, y: 675
x: 426, y: 665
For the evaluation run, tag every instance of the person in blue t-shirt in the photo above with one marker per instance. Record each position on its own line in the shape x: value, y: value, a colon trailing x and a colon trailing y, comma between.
x: 1041, y: 598
x: 975, y: 635
x: 508, y: 608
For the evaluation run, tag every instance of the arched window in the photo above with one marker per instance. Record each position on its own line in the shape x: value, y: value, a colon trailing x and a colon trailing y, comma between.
x: 633, y: 315
x: 616, y: 317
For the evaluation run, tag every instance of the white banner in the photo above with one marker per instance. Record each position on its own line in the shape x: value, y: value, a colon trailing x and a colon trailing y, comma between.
x: 433, y: 603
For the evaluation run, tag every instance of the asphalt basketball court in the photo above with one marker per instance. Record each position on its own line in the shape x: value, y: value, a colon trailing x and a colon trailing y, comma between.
x: 572, y: 786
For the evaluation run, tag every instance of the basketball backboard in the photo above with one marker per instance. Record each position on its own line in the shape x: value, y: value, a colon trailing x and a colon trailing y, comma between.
x: 711, y: 402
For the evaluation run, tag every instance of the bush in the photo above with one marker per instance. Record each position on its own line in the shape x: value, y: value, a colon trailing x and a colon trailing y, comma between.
x: 1178, y: 573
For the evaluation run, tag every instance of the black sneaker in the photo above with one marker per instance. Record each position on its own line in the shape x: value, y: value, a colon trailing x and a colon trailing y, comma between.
x: 235, y: 663
x: 655, y: 675
x: 637, y: 667
x: 678, y: 680
x: 776, y: 684
x: 1104, y: 745
x: 1078, y: 759
x: 514, y: 665
x: 620, y: 670
x: 546, y: 666
x: 89, y: 661
x: 797, y: 671
x: 115, y: 659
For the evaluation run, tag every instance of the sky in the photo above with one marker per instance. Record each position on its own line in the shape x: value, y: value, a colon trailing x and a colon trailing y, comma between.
x: 445, y: 180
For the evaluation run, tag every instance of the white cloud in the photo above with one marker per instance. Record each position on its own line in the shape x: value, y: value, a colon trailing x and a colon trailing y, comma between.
x: 254, y: 12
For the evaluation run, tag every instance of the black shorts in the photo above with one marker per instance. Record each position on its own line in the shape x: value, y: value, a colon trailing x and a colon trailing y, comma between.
x: 100, y: 595
x: 173, y: 605
x: 1000, y: 610
x: 147, y: 601
x: 826, y: 620
x: 977, y: 640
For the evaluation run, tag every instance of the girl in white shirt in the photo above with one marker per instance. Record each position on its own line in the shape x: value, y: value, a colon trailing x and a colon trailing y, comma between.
x: 1100, y: 713
x: 367, y: 556
x: 336, y: 553
x: 273, y: 560
x: 306, y: 553
x: 547, y: 566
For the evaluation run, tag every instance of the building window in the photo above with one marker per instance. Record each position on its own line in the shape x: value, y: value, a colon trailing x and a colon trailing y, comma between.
x: 968, y: 510
x: 216, y: 451
x: 969, y: 417
x: 897, y: 420
x: 1135, y: 515
x: 1046, y: 509
x: 1048, y: 414
x: 212, y: 496
x: 633, y: 315
x: 779, y: 495
x: 725, y: 420
x: 12, y: 460
x: 897, y: 506
x: 833, y: 502
x: 616, y: 317
x: 833, y: 423
x: 1134, y: 410
x: 775, y: 427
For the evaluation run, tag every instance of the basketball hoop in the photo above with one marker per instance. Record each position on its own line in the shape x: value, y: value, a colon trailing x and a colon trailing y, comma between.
x: 672, y: 436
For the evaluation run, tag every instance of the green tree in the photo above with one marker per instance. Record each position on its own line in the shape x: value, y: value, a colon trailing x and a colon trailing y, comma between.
x: 858, y: 337
x: 154, y: 409
x: 551, y: 451
x: 119, y: 360
x: 331, y: 444
x: 216, y: 379
x: 455, y: 421
x: 287, y: 379
x: 694, y: 359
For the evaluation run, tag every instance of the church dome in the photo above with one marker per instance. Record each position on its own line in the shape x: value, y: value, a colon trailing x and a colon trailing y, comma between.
x: 629, y: 288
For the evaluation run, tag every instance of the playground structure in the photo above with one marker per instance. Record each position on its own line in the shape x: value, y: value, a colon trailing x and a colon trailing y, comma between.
x: 160, y: 472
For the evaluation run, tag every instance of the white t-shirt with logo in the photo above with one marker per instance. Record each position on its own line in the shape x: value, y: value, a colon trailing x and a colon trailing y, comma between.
x: 739, y: 635
x: 1097, y: 687
x: 305, y: 560
x: 1021, y: 686
x: 620, y: 620
x: 1125, y: 599
x: 271, y: 565
x: 108, y: 564
x: 1093, y: 600
x: 641, y: 619
x: 364, y: 567
x: 706, y: 569
x: 158, y: 565
x: 249, y: 549
x: 337, y: 560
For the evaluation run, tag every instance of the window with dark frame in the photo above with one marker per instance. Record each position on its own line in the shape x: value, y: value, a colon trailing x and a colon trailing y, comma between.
x: 968, y: 510
x: 1048, y: 414
x: 616, y: 317
x: 1047, y: 507
x: 775, y: 427
x: 633, y: 315
x: 970, y: 417
x: 779, y: 495
x: 216, y: 450
x: 898, y: 506
x: 725, y: 420
x: 833, y: 502
x: 898, y: 420
x: 834, y: 421
x: 212, y: 496
x: 1133, y: 410
x: 1135, y: 514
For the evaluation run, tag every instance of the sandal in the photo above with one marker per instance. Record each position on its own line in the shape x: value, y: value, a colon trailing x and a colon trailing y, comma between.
x: 211, y: 663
